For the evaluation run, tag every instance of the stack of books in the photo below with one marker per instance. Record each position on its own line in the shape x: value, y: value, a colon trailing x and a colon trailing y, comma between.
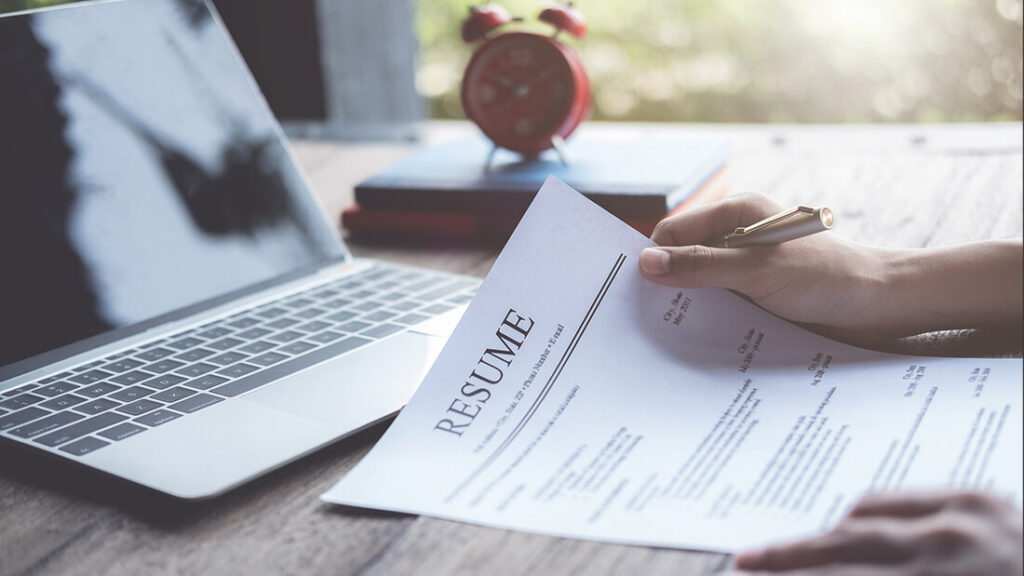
x: 452, y: 191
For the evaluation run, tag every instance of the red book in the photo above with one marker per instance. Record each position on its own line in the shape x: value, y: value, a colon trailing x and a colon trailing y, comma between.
x: 379, y: 224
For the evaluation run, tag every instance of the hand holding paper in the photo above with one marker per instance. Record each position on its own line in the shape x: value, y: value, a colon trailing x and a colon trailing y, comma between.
x: 848, y: 291
x: 577, y: 398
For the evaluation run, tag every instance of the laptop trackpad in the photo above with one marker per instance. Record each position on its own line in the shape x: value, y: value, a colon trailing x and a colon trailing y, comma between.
x: 358, y: 388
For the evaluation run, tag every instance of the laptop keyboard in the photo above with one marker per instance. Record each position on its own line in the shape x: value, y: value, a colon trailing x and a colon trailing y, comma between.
x: 93, y: 405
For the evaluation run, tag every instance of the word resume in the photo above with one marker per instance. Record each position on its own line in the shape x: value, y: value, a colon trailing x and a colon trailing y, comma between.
x: 578, y: 399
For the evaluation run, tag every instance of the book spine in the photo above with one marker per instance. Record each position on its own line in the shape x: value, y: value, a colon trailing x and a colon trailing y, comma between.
x: 384, y: 196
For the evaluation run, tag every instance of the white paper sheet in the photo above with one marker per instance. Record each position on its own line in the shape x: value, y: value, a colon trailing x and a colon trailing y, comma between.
x: 577, y: 399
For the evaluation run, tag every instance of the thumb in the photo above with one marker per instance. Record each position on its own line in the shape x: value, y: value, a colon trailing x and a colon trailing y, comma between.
x: 698, y: 266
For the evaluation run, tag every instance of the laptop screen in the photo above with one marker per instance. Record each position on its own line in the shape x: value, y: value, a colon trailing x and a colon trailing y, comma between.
x: 140, y: 173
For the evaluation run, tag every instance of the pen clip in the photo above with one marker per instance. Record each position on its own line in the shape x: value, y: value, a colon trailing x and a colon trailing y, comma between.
x: 772, y: 220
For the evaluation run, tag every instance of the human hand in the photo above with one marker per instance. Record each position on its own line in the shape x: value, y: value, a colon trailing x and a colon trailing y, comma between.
x: 940, y: 533
x: 820, y: 280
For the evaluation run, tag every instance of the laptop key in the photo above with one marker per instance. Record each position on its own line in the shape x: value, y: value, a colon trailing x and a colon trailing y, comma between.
x: 310, y: 313
x: 195, y: 354
x: 406, y: 305
x: 122, y: 431
x: 62, y: 402
x: 336, y: 303
x: 354, y: 326
x: 20, y: 390
x: 196, y: 369
x: 55, y: 388
x: 342, y: 316
x: 257, y: 347
x: 314, y: 326
x: 197, y: 402
x: 382, y: 330
x: 271, y: 313
x: 165, y: 381
x: 268, y: 358
x: 185, y: 343
x: 243, y: 323
x: 123, y: 365
x: 154, y: 354
x: 299, y: 303
x: 297, y: 347
x: 460, y: 299
x: 89, y: 377
x: 79, y: 429
x: 173, y: 394
x: 243, y: 385
x: 96, y: 406
x: 282, y: 323
x: 21, y: 417
x: 98, y: 390
x: 207, y: 382
x: 228, y: 358
x: 84, y: 446
x: 238, y: 370
x: 286, y: 336
x: 164, y: 366
x: 213, y: 333
x: 437, y: 309
x: 443, y: 291
x: 231, y: 341
x: 411, y: 318
x: 424, y: 284
x: 139, y: 407
x: 157, y: 417
x: 367, y: 306
x: 380, y: 316
x: 19, y: 402
x: 326, y: 336
x: 133, y: 393
x: 253, y: 333
x: 133, y: 377
x: 45, y: 425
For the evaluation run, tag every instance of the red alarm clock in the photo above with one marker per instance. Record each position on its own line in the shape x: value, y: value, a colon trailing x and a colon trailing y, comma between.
x: 527, y: 92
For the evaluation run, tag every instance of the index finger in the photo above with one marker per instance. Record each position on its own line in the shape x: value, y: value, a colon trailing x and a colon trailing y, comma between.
x: 707, y: 224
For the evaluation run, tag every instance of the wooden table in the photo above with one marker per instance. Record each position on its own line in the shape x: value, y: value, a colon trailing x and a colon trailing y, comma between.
x: 897, y: 186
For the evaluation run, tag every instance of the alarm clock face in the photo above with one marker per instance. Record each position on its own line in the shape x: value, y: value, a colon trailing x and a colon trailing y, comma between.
x: 522, y: 89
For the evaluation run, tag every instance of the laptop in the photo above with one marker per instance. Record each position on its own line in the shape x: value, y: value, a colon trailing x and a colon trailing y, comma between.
x: 177, y: 311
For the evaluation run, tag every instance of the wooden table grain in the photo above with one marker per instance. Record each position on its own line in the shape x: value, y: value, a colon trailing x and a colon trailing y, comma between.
x: 897, y: 186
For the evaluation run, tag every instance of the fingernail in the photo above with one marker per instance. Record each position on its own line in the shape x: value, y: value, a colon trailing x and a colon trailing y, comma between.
x: 654, y: 261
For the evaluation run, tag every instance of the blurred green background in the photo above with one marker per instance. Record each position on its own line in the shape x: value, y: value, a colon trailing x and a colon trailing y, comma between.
x: 762, y: 61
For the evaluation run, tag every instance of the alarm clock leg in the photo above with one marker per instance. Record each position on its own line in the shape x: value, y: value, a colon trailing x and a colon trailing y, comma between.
x: 490, y: 157
x: 559, y: 145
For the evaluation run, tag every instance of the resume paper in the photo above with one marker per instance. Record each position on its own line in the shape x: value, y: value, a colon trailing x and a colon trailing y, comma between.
x: 578, y: 399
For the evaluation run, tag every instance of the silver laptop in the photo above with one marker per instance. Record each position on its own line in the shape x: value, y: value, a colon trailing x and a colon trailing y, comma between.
x: 175, y: 308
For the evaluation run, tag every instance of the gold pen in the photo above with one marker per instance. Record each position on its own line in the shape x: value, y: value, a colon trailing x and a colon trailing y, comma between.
x: 789, y: 225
